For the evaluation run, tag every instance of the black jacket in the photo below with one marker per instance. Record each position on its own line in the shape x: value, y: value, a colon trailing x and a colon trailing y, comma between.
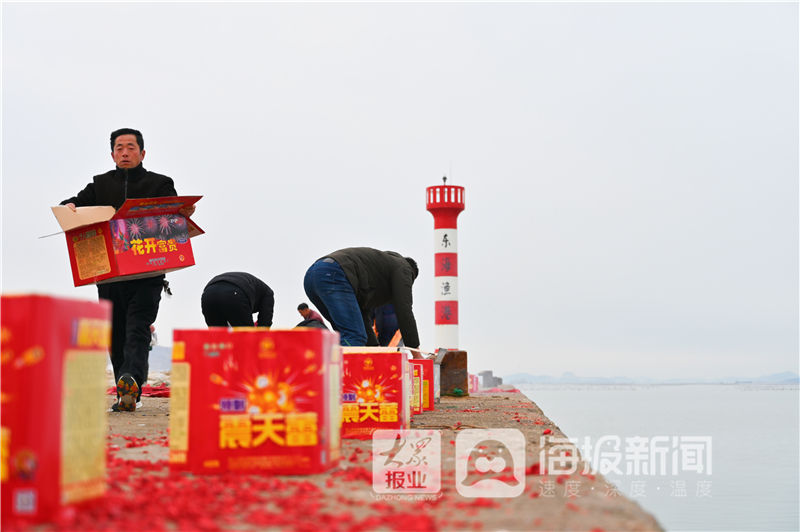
x: 262, y: 299
x: 115, y: 186
x: 380, y: 277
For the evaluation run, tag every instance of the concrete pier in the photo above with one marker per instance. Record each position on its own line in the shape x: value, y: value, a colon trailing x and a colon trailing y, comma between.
x: 344, y: 499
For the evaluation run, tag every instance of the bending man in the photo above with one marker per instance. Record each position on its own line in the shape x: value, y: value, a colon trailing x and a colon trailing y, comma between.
x: 232, y: 298
x: 348, y: 284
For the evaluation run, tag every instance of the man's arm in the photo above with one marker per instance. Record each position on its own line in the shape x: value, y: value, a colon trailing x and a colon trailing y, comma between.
x: 372, y: 341
x: 266, y: 308
x: 403, y: 300
x: 85, y: 198
x: 167, y: 188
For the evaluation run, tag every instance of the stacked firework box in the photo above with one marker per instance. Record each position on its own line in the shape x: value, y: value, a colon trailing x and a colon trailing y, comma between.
x: 376, y: 391
x: 427, y: 368
x: 474, y: 383
x: 54, y: 424
x: 255, y: 400
x: 416, y: 387
x: 144, y: 238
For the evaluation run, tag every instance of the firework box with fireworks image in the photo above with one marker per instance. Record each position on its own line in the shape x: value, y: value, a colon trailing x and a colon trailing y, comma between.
x: 144, y: 238
x: 255, y: 400
x: 54, y: 424
x: 376, y: 390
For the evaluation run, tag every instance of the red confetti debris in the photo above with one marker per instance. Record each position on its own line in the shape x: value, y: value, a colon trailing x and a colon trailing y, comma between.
x: 535, y: 469
x: 332, y: 502
x: 353, y: 474
x: 480, y: 502
x: 546, y: 431
x: 147, y: 391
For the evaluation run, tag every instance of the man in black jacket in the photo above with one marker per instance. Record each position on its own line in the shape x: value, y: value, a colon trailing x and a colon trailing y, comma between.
x: 348, y: 284
x: 135, y: 302
x: 231, y: 299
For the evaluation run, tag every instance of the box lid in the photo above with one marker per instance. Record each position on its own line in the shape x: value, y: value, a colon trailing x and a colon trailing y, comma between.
x: 68, y: 219
x: 132, y: 208
x: 137, y: 207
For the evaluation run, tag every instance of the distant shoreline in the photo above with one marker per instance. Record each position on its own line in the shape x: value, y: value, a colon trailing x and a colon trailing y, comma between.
x: 783, y: 378
x: 656, y: 383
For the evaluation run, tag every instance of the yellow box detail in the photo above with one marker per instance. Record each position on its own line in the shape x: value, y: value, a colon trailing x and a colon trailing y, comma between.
x: 84, y: 422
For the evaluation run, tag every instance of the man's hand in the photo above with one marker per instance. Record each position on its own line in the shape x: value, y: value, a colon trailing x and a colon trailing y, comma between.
x: 187, y: 211
x: 71, y: 206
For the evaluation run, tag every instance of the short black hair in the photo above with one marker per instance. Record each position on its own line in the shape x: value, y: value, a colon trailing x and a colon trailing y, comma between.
x: 413, y: 265
x: 127, y: 131
x: 302, y: 306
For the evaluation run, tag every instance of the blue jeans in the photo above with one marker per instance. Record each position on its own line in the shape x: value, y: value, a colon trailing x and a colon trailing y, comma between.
x: 329, y: 290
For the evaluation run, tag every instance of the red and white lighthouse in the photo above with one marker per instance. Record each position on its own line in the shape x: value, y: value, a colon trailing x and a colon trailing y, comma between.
x: 445, y: 202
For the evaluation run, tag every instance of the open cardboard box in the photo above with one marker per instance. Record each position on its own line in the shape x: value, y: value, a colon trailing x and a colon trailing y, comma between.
x: 144, y: 238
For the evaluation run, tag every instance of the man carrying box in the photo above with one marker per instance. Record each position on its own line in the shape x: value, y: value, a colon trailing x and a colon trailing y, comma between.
x: 348, y: 284
x: 135, y: 302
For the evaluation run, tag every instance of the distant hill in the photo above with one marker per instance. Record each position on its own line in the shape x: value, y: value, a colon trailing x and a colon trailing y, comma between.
x: 786, y: 377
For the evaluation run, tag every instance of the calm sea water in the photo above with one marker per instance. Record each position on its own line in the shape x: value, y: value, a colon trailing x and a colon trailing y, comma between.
x: 753, y: 483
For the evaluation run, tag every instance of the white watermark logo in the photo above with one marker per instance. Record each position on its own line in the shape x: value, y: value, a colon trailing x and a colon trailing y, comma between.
x: 490, y: 463
x: 632, y: 455
x: 406, y: 463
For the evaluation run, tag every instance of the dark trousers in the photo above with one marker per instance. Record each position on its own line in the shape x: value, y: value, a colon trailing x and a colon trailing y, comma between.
x: 386, y: 323
x: 327, y: 287
x: 134, y: 309
x: 224, y: 304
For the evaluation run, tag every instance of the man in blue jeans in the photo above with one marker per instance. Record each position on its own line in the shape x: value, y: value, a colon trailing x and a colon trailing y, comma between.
x: 347, y: 285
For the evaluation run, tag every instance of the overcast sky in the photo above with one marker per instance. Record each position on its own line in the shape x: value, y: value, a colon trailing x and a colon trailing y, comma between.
x: 631, y: 170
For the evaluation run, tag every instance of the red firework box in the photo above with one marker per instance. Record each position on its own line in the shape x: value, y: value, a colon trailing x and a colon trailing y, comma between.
x: 255, y: 400
x: 427, y: 383
x: 416, y: 387
x: 144, y: 238
x: 54, y: 424
x: 474, y: 383
x: 376, y: 388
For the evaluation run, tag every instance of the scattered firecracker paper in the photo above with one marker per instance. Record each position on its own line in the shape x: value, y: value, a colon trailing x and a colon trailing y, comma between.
x: 147, y: 391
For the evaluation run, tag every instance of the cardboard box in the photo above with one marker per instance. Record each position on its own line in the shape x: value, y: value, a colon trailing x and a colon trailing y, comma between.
x: 144, y: 238
x: 54, y: 424
x: 375, y: 391
x: 255, y: 400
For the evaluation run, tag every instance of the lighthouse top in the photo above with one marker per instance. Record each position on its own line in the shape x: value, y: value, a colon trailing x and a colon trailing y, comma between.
x: 444, y: 197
